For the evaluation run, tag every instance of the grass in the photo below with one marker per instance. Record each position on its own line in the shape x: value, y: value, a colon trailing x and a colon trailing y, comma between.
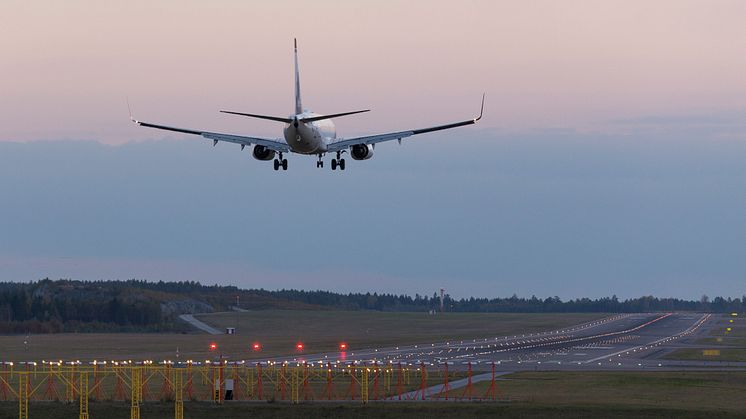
x: 522, y: 395
x: 691, y: 391
x: 279, y: 330
x: 738, y: 327
x: 726, y: 354
x: 373, y: 410
x: 732, y: 344
x: 322, y: 331
x: 723, y: 341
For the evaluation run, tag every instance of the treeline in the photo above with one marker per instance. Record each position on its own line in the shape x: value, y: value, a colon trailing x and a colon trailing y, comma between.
x: 58, y: 306
x: 513, y: 304
x: 48, y: 306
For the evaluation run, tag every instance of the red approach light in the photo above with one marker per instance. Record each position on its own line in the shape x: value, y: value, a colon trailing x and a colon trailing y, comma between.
x: 256, y: 347
x: 213, y: 346
x: 299, y: 346
x: 342, y: 347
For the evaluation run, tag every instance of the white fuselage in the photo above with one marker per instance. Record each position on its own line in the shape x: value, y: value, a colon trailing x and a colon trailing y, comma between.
x: 311, y: 137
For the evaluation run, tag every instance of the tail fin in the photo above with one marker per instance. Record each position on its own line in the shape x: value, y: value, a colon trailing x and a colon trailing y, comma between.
x: 298, y: 104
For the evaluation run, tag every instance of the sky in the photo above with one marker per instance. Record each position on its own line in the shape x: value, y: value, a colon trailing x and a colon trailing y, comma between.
x: 610, y: 159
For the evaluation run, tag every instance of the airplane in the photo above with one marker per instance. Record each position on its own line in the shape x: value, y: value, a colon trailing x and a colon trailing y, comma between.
x: 309, y: 133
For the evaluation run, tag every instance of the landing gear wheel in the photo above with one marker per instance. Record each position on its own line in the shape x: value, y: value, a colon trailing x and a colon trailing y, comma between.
x: 277, y: 164
x: 334, y: 165
x: 342, y: 164
x: 284, y: 164
x: 319, y: 163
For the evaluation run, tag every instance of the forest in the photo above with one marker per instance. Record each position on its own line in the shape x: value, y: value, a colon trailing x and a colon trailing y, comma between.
x: 54, y: 306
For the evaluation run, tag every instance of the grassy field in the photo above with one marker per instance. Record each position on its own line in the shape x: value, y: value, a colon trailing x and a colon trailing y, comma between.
x: 278, y: 331
x: 723, y: 341
x: 521, y: 395
x: 731, y: 344
x: 373, y: 410
x: 690, y: 391
x: 726, y: 354
x: 738, y: 327
x: 322, y: 331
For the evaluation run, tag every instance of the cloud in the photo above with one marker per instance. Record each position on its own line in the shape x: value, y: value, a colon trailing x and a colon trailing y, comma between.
x: 705, y: 126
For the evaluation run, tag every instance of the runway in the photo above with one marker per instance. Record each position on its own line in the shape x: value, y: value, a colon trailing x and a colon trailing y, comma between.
x: 625, y: 341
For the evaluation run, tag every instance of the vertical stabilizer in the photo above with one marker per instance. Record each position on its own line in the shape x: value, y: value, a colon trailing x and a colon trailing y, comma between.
x: 298, y: 104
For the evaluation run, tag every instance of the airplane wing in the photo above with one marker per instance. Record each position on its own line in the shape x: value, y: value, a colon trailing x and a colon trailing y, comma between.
x: 379, y: 138
x: 275, y: 145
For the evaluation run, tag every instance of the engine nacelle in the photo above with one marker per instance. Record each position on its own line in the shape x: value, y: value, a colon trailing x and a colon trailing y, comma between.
x: 263, y: 153
x: 361, y: 151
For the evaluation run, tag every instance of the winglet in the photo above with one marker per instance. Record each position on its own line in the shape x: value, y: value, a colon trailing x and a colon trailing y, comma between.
x: 481, y: 110
x: 130, y: 111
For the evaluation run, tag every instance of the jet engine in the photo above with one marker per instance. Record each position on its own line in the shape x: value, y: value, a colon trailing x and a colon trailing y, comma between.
x: 263, y: 153
x: 361, y: 151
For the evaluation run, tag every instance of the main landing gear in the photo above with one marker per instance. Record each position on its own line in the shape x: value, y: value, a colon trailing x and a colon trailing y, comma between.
x: 281, y: 163
x: 338, y: 162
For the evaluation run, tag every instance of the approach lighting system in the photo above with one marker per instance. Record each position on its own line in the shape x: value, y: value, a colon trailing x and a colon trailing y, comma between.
x: 256, y: 347
x: 213, y: 346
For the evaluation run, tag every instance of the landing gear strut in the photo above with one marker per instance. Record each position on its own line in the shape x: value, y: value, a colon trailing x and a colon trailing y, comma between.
x: 338, y: 162
x: 281, y: 163
x: 320, y: 163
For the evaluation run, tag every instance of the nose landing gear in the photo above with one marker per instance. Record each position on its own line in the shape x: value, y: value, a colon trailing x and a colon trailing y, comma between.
x: 320, y: 163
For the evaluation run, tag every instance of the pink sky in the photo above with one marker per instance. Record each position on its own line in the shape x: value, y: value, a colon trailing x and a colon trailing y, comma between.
x: 68, y: 66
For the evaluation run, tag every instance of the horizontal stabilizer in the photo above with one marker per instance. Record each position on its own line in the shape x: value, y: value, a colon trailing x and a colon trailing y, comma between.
x: 289, y: 120
x: 271, y: 118
x: 319, y: 118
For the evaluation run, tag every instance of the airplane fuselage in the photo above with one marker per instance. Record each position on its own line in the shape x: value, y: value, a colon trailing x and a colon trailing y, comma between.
x: 310, y: 137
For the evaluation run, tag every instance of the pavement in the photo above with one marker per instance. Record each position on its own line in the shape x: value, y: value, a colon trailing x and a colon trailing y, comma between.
x: 200, y: 325
x: 622, y: 342
x: 441, y: 390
